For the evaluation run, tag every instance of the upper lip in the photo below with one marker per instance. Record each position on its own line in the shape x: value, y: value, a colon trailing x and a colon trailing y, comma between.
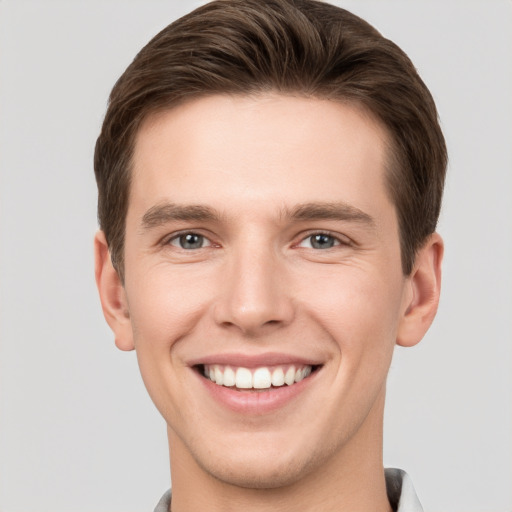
x: 254, y: 361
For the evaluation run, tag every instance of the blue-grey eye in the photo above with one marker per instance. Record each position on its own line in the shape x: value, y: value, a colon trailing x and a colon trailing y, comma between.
x: 322, y: 241
x: 190, y: 241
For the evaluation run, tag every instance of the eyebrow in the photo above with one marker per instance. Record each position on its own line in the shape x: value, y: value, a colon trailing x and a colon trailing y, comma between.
x: 161, y: 214
x: 330, y: 211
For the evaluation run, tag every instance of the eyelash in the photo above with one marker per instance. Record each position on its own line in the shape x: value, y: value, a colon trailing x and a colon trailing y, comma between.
x: 183, y: 234
x: 337, y: 239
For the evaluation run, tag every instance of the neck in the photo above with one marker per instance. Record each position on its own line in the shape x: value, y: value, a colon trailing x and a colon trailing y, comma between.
x: 350, y: 480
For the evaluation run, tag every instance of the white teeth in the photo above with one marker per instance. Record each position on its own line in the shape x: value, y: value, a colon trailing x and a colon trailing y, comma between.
x: 219, y: 376
x: 229, y: 377
x: 278, y: 377
x: 289, y: 378
x: 261, y: 378
x: 258, y: 378
x: 243, y: 379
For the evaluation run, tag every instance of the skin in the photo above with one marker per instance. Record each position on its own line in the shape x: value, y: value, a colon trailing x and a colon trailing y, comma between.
x: 258, y: 286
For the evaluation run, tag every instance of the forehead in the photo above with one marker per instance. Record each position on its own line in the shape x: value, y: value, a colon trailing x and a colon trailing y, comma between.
x: 227, y: 150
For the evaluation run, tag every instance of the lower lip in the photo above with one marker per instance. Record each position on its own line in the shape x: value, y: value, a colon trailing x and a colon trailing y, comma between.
x: 256, y: 402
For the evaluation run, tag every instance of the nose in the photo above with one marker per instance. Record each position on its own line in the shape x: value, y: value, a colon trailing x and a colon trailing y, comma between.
x: 255, y: 297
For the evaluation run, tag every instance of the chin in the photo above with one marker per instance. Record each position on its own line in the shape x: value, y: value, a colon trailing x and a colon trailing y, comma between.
x: 267, y: 467
x: 258, y: 474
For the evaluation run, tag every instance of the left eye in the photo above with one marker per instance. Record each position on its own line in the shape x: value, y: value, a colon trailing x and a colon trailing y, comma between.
x: 320, y: 241
x: 190, y: 241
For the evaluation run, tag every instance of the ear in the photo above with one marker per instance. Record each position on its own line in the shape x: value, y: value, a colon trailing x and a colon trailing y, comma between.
x: 112, y: 294
x: 421, y: 296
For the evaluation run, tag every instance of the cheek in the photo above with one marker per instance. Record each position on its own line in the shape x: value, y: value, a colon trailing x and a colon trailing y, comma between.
x: 358, y: 308
x: 165, y: 306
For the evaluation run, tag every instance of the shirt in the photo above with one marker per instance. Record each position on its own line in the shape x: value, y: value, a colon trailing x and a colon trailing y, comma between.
x: 401, y: 493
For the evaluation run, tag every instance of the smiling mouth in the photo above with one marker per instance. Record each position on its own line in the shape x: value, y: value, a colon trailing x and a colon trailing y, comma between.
x: 262, y: 378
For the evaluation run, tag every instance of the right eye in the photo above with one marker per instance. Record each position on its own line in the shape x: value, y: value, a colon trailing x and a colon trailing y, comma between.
x: 189, y: 241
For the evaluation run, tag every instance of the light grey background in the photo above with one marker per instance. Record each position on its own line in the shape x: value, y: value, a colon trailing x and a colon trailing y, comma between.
x: 77, y: 431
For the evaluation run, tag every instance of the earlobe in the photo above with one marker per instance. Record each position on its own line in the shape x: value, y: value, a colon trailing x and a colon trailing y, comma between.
x: 112, y: 295
x: 422, y: 293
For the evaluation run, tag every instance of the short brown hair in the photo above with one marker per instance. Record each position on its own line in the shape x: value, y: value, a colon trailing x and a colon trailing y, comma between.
x: 301, y: 47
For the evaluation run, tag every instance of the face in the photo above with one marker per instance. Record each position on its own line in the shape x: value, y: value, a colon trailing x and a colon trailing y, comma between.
x: 263, y: 286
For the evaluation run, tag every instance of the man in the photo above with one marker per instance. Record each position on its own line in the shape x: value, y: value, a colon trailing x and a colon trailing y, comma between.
x: 270, y: 176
